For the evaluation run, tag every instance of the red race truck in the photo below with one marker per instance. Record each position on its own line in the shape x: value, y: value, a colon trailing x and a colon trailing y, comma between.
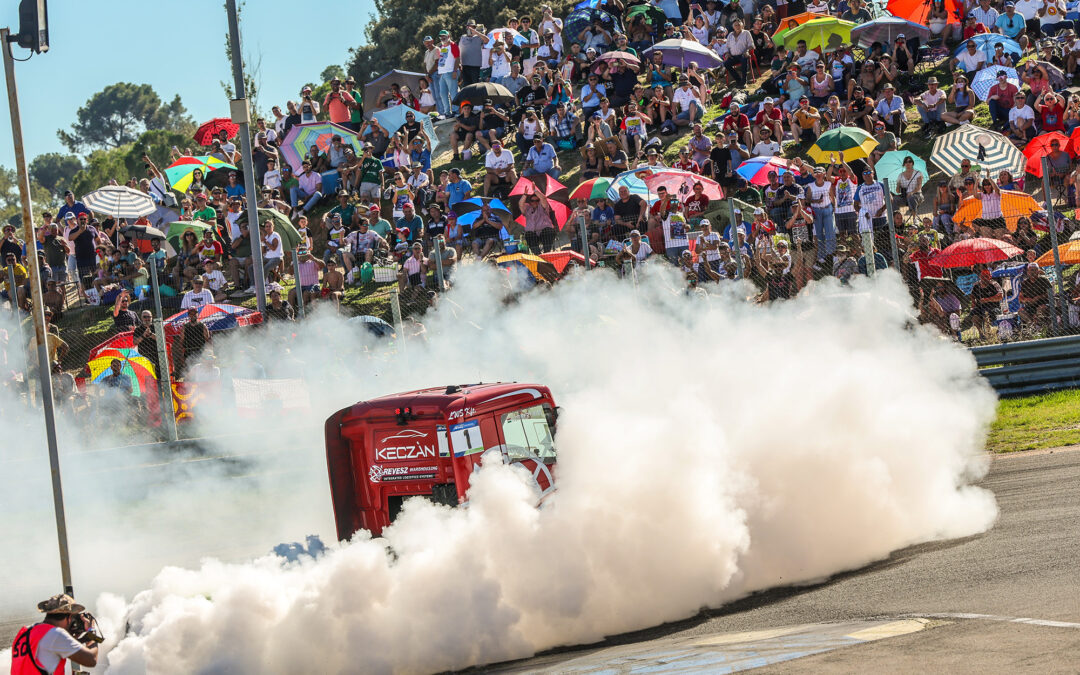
x: 426, y: 443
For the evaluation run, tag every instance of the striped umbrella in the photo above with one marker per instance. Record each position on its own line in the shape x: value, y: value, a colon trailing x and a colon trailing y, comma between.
x: 594, y: 188
x: 119, y: 201
x: 302, y: 136
x: 987, y: 77
x: 180, y: 172
x: 989, y: 149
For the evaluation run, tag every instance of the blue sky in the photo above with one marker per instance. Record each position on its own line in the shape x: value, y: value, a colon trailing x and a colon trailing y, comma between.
x: 177, y: 48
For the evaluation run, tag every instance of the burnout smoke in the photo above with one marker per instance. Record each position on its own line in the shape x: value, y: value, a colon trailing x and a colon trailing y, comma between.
x: 707, y: 449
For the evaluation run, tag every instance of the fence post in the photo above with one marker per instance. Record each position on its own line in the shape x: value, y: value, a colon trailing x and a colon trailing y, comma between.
x: 395, y: 309
x: 892, y: 227
x: 164, y: 377
x: 436, y: 250
x: 868, y: 252
x: 736, y: 223
x: 297, y: 287
x: 582, y: 229
x: 1051, y: 224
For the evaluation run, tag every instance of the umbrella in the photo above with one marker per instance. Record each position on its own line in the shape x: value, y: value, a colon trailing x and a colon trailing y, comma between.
x: 556, y: 193
x: 975, y: 251
x: 290, y: 238
x: 178, y: 227
x: 884, y: 29
x: 680, y: 183
x: 919, y: 10
x: 142, y: 232
x: 992, y: 151
x: 216, y: 316
x: 580, y: 19
x: 509, y: 36
x: 891, y: 165
x: 1054, y: 75
x: 854, y: 142
x: 393, y: 118
x: 120, y: 201
x: 653, y: 15
x: 625, y: 58
x: 374, y: 325
x: 180, y: 172
x: 538, y: 268
x: 594, y: 188
x: 792, y: 22
x: 404, y: 78
x: 1069, y: 253
x: 1074, y: 143
x: 295, y: 145
x: 986, y: 42
x: 826, y: 34
x: 1039, y: 147
x: 562, y: 259
x: 137, y: 368
x: 1014, y: 206
x: 756, y: 169
x: 208, y: 131
x: 476, y: 203
x: 680, y: 53
x: 588, y: 4
x: 987, y: 77
x: 633, y: 181
x: 476, y: 92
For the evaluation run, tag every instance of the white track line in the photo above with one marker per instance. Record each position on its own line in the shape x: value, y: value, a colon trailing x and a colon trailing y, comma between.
x: 993, y: 617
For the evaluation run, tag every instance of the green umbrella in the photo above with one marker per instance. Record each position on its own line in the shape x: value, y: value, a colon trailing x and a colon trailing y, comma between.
x: 853, y: 142
x: 282, y: 225
x: 826, y: 34
x: 653, y: 15
x: 178, y: 227
x: 891, y: 165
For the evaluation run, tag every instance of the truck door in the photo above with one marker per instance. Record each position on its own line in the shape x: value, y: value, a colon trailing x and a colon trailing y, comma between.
x: 526, y: 435
x: 468, y: 441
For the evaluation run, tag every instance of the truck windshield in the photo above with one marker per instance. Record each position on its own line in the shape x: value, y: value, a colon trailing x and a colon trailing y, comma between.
x: 526, y: 433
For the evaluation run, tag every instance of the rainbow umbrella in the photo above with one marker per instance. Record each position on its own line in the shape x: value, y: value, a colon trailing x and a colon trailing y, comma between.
x: 594, y: 188
x: 756, y: 169
x: 136, y: 367
x: 301, y: 137
x: 634, y: 181
x: 179, y: 172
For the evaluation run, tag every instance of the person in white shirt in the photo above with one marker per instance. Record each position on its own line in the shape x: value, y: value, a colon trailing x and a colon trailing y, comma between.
x: 686, y: 101
x: 214, y: 280
x: 637, y: 251
x: 971, y: 59
x: 1052, y: 17
x: 767, y: 146
x: 821, y: 198
x: 272, y: 177
x: 553, y: 24
x: 1021, y: 121
x: 198, y: 296
x: 273, y: 252
x: 499, y: 167
x: 931, y: 103
x: 708, y: 246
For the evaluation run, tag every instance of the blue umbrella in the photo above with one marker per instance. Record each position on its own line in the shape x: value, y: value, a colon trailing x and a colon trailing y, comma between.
x: 393, y: 118
x: 588, y: 4
x: 469, y: 206
x: 986, y: 42
x: 631, y: 182
x: 580, y: 19
x: 987, y: 77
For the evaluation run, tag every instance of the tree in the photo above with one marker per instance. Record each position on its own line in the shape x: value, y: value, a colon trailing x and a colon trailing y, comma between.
x: 330, y: 72
x: 54, y: 171
x: 117, y: 115
x: 125, y: 162
x: 11, y: 202
x: 251, y: 75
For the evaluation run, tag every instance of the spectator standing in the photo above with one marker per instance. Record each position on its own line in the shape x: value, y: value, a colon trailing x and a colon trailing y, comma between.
x: 820, y: 196
x: 447, y: 71
x: 470, y: 48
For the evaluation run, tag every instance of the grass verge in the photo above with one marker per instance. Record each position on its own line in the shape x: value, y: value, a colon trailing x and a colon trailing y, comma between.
x: 1036, y: 422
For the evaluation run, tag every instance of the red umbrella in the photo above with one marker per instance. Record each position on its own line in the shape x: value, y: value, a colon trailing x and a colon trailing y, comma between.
x: 681, y: 183
x: 1039, y: 147
x: 919, y: 10
x: 561, y: 259
x: 976, y: 251
x: 556, y: 193
x: 208, y: 131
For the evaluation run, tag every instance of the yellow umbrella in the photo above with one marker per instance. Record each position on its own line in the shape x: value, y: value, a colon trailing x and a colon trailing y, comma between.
x: 541, y: 269
x: 843, y: 143
x: 1069, y: 252
x: 826, y: 34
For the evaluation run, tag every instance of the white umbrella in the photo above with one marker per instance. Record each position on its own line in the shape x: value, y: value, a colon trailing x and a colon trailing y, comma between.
x: 119, y: 201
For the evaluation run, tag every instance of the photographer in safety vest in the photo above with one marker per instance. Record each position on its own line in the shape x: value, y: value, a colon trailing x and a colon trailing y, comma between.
x: 67, y: 632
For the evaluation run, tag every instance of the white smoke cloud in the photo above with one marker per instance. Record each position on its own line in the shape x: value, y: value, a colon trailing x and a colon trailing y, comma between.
x: 707, y: 449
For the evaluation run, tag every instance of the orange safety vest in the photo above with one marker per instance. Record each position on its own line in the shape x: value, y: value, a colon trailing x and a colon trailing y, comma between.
x: 23, y: 661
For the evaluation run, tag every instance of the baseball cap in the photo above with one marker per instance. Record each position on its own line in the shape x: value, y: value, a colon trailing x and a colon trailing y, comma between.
x: 768, y: 99
x: 704, y: 222
x: 444, y: 33
x: 427, y: 38
x: 635, y: 233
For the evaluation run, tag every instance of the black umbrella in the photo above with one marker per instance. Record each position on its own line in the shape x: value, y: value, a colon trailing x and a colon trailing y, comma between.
x: 478, y: 92
x: 142, y: 232
x: 476, y: 203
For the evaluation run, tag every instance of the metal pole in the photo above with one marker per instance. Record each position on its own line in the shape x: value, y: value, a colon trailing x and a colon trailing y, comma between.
x: 868, y: 252
x: 436, y: 250
x: 298, y: 288
x: 37, y: 311
x: 249, y: 165
x: 395, y: 309
x: 892, y: 227
x: 736, y: 223
x: 168, y: 411
x: 1051, y: 224
x: 585, y: 243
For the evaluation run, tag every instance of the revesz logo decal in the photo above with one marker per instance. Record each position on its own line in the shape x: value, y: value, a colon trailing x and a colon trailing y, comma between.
x: 388, y: 474
x: 404, y: 446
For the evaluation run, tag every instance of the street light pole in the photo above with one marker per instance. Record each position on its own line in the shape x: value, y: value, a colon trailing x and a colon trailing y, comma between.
x: 38, y: 310
x: 241, y: 115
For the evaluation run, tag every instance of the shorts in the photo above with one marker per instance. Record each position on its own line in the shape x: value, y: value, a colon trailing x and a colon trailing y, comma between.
x: 371, y: 190
x: 847, y: 223
x: 313, y: 288
x: 87, y: 274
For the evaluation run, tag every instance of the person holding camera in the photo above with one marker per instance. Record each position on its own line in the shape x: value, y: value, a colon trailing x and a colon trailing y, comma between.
x: 308, y: 108
x: 68, y: 631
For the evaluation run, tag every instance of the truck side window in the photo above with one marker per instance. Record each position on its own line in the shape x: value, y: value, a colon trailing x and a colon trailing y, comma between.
x: 526, y: 433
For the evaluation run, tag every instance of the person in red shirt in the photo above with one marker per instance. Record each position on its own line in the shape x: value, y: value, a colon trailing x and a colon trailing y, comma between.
x: 696, y: 205
x: 665, y: 204
x: 921, y: 258
x: 1051, y: 110
x: 685, y: 162
x: 339, y: 103
x: 973, y: 27
x: 769, y: 116
x: 735, y: 120
x: 1000, y: 99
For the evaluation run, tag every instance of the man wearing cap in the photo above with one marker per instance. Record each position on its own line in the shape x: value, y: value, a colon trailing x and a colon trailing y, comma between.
x: 805, y: 121
x: 411, y: 221
x: 446, y: 73
x: 499, y: 167
x: 686, y: 103
x: 1021, y: 121
x: 71, y: 206
x: 931, y: 104
x: 198, y: 296
x: 542, y: 158
x: 83, y: 237
x: 1000, y: 99
x: 591, y: 93
x: 465, y: 128
x: 493, y: 124
x: 471, y: 46
x: 770, y: 117
x: 308, y: 108
x: 562, y: 127
x: 856, y: 13
x: 1013, y: 25
x: 637, y: 251
x: 45, y: 647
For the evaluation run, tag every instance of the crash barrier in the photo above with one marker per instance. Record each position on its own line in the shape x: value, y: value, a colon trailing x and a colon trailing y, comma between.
x: 1031, y: 367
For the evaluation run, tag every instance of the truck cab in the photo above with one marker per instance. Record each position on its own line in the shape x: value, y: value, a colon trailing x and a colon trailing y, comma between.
x: 428, y: 442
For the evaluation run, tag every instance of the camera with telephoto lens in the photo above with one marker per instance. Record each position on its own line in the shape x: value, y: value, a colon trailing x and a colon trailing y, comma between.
x: 83, y: 628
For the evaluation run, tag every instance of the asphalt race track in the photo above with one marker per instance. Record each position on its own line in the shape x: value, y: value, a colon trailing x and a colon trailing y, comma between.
x: 948, y: 606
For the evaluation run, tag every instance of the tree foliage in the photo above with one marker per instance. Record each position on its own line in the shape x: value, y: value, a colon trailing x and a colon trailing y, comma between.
x: 122, y: 163
x: 117, y: 115
x: 11, y: 201
x: 54, y: 171
x: 395, y: 34
x: 330, y: 72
